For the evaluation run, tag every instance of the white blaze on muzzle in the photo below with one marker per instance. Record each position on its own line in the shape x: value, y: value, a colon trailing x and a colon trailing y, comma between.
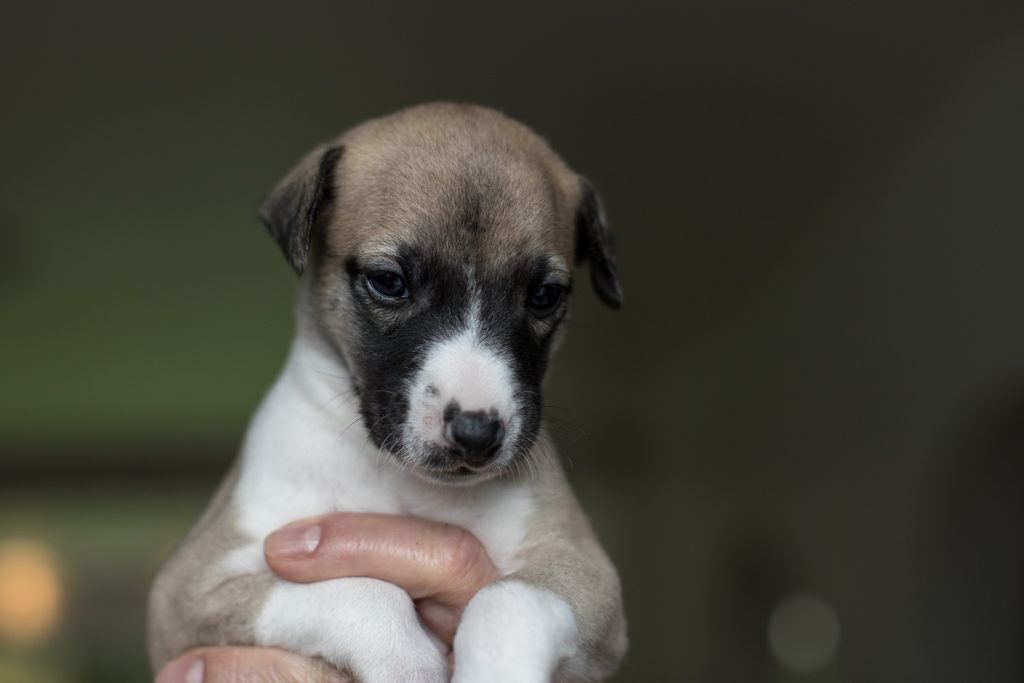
x: 463, y: 372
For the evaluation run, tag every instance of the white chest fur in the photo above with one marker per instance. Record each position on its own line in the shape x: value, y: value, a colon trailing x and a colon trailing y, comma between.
x: 307, y: 453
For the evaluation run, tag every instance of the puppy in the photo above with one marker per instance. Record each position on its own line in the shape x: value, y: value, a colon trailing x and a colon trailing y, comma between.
x: 435, y: 250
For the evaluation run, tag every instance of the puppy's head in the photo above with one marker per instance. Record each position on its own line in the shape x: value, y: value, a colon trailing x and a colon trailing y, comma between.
x: 436, y: 248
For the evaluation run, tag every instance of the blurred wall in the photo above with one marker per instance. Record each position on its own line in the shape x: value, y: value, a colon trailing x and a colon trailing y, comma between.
x: 813, y: 389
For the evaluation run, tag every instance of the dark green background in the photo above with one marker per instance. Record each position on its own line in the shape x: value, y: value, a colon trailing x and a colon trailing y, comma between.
x: 816, y: 383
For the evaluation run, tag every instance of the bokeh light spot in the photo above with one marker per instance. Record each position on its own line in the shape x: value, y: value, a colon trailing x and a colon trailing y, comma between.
x: 30, y: 592
x: 803, y: 633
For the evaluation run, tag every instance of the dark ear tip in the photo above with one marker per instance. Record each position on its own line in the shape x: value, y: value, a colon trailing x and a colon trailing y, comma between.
x: 263, y: 213
x: 298, y: 264
x: 290, y: 210
x: 610, y: 293
x: 297, y: 261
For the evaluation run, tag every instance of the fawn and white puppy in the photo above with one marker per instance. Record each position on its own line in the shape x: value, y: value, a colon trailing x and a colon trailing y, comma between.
x: 435, y: 249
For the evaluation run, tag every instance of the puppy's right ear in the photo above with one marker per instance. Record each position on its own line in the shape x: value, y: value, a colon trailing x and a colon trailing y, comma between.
x: 291, y: 209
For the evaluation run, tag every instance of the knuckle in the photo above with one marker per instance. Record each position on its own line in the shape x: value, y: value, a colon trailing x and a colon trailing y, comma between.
x: 462, y: 556
x: 264, y: 665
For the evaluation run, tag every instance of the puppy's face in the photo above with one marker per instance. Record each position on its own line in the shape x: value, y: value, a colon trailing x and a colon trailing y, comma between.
x: 439, y: 250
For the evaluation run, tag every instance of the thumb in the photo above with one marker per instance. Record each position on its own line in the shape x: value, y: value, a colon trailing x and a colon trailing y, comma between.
x: 247, y: 665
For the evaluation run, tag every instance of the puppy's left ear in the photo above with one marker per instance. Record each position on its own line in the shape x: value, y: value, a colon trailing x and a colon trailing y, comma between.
x: 594, y: 242
x: 292, y: 208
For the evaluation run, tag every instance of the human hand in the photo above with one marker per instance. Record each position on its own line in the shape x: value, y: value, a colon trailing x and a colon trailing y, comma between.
x: 440, y: 566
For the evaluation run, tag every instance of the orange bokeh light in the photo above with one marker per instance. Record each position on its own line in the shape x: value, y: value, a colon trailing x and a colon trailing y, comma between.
x: 30, y: 591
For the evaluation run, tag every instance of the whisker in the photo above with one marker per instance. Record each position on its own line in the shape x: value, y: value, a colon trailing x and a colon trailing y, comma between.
x: 325, y: 373
x: 386, y: 445
x: 386, y: 391
x: 350, y: 424
x: 340, y: 398
x: 568, y: 431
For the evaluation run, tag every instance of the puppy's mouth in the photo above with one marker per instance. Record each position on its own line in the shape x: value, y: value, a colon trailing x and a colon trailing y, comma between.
x: 461, y: 473
x: 448, y: 465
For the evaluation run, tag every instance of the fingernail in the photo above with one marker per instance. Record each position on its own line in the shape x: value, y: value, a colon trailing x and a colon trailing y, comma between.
x: 297, y: 540
x: 185, y: 670
x: 195, y: 674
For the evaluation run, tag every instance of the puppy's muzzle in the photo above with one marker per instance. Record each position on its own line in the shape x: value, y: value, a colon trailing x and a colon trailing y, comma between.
x: 474, y: 436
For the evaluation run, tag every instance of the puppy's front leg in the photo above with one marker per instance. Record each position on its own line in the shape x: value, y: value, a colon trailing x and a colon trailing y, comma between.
x: 366, y: 625
x: 513, y: 632
x: 559, y: 617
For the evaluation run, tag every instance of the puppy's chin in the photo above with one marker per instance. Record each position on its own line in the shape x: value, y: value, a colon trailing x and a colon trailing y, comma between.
x: 457, y: 477
x: 439, y: 465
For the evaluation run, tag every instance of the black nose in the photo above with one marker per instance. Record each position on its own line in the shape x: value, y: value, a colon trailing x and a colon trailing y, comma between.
x: 478, y: 433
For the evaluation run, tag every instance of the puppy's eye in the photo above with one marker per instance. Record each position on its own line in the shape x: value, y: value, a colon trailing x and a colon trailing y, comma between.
x: 543, y: 300
x: 387, y: 285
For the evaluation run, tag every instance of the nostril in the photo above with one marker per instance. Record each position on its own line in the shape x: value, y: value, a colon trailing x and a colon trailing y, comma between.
x: 477, y: 432
x: 451, y: 411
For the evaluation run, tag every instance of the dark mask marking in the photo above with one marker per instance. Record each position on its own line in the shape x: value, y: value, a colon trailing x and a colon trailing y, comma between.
x: 391, y: 341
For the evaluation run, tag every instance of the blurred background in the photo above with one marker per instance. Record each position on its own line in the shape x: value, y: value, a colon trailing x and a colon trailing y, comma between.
x: 801, y: 440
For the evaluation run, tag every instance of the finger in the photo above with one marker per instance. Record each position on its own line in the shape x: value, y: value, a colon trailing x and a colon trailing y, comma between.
x: 428, y: 559
x: 247, y: 665
x: 441, y: 566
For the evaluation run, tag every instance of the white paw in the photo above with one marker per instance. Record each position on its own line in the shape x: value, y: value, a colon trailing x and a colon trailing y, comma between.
x: 399, y: 672
x: 512, y: 632
x: 365, y: 625
x: 399, y: 657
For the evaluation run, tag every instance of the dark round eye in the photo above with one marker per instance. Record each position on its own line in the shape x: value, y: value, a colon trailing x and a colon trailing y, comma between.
x: 387, y: 284
x: 544, y: 300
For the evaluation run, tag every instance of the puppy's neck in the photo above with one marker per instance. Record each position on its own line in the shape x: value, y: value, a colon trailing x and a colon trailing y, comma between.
x: 319, y: 379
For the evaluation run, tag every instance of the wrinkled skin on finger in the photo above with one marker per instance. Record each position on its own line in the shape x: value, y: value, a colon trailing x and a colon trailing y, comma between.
x: 248, y: 665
